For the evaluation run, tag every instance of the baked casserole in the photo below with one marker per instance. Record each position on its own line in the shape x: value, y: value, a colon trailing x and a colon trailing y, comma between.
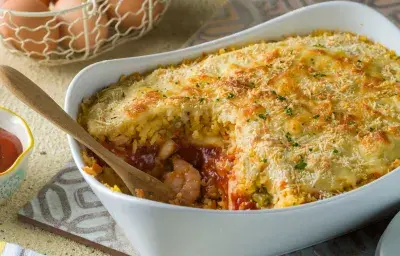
x: 269, y: 125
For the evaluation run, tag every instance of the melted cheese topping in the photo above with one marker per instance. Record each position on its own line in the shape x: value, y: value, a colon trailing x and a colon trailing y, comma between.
x: 306, y: 117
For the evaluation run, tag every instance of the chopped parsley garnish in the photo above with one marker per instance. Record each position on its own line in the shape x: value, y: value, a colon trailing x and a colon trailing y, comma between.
x: 300, y: 165
x: 289, y: 111
x: 319, y: 45
x: 316, y: 117
x: 264, y: 160
x: 288, y: 137
x: 248, y: 120
x: 201, y: 100
x: 219, y: 77
x: 335, y: 151
x: 274, y: 92
x: 217, y: 99
x: 371, y: 129
x: 252, y: 85
x: 230, y: 96
x: 262, y: 116
x: 187, y: 98
x: 263, y: 190
x: 359, y: 61
x: 352, y: 122
x: 176, y: 82
x: 165, y: 96
x: 197, y: 85
x: 310, y: 149
x: 318, y: 75
x: 290, y: 140
x: 281, y: 98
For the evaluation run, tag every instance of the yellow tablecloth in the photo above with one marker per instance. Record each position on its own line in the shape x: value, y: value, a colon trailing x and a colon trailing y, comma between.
x: 51, y: 150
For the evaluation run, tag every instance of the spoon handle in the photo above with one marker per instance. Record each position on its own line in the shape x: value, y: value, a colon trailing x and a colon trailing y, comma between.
x: 33, y: 96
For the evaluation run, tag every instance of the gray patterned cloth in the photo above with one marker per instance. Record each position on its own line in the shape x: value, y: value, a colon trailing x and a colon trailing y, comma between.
x: 7, y: 249
x: 68, y: 207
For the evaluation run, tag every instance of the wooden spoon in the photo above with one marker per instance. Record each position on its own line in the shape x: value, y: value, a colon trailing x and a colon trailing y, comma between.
x: 33, y: 96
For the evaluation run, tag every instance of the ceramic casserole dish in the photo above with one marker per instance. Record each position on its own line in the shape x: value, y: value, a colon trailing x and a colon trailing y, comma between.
x: 161, y: 229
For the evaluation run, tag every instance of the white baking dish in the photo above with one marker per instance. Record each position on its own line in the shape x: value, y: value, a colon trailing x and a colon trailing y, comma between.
x: 158, y: 229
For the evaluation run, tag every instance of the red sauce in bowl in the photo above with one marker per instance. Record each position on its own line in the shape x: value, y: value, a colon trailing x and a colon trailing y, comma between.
x: 10, y: 149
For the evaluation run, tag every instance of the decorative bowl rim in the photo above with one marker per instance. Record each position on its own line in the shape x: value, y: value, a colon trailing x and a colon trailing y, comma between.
x: 27, y: 150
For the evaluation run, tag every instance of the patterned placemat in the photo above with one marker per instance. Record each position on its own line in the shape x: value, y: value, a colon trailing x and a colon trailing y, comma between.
x: 8, y: 249
x: 68, y: 207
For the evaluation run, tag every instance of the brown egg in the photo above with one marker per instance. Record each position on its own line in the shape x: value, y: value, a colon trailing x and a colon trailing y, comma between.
x: 72, y: 25
x: 135, y: 10
x: 46, y: 2
x: 43, y: 39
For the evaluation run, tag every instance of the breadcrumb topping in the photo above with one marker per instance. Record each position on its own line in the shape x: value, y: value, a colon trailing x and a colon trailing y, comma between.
x: 306, y: 117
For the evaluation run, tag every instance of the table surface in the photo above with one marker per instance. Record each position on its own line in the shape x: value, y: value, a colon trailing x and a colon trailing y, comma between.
x: 170, y: 34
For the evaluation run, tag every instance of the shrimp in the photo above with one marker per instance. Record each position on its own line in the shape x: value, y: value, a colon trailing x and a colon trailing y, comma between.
x: 184, y: 180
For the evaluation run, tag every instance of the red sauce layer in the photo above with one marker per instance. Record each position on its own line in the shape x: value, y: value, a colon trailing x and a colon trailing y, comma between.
x: 242, y: 203
x: 212, y: 164
x: 10, y: 149
x: 206, y: 159
x: 143, y: 158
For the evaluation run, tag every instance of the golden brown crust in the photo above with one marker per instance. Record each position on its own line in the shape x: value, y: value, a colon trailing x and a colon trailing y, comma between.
x: 307, y: 117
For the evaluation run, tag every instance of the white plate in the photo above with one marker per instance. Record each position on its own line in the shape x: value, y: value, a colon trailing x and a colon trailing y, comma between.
x: 157, y: 229
x: 389, y: 244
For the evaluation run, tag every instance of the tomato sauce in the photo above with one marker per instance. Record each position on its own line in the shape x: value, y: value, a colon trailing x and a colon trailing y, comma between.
x: 242, y: 203
x: 144, y: 158
x: 10, y: 149
x: 204, y: 159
